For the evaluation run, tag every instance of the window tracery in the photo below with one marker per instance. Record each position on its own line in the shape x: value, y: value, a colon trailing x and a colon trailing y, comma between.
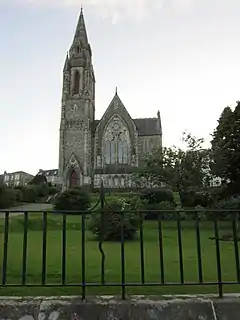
x: 116, y: 142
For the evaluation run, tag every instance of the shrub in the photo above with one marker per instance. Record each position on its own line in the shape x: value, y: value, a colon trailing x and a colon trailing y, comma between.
x: 107, y: 224
x: 200, y: 212
x: 19, y: 195
x: 8, y: 197
x: 73, y: 199
x: 157, y: 195
x: 187, y: 198
x: 29, y: 194
x: 227, y: 204
x: 197, y: 212
x: 164, y: 215
x: 53, y: 190
x: 191, y: 199
x: 42, y: 190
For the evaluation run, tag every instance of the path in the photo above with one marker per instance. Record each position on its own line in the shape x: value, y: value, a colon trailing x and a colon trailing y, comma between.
x: 28, y: 207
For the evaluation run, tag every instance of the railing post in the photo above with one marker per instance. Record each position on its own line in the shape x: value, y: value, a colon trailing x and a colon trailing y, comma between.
x: 5, y: 248
x: 100, y: 244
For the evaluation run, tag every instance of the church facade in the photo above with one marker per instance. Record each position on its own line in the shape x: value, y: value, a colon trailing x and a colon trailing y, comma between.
x: 93, y: 150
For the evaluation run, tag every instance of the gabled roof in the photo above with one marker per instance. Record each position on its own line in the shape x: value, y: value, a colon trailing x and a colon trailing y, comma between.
x: 145, y: 126
x: 18, y: 172
x: 51, y: 172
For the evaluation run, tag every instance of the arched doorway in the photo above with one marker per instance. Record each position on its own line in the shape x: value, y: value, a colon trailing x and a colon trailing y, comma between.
x: 74, y: 179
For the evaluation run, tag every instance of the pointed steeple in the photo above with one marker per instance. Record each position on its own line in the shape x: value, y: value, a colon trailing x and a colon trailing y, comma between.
x: 81, y: 32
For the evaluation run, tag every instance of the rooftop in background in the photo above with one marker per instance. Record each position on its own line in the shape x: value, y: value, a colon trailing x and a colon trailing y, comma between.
x: 51, y: 172
x: 16, y: 172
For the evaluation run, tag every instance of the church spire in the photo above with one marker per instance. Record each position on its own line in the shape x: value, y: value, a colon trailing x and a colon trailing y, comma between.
x: 81, y: 32
x: 66, y: 63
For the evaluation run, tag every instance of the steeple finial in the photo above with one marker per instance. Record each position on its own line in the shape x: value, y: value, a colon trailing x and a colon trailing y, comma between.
x: 81, y: 33
x: 116, y: 92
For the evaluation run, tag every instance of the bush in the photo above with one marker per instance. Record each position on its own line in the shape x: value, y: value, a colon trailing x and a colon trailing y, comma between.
x: 19, y: 194
x: 228, y: 204
x: 191, y: 199
x: 187, y: 198
x: 157, y: 195
x: 42, y: 190
x: 197, y: 212
x: 73, y: 199
x: 8, y: 197
x: 164, y: 215
x: 107, y: 225
x: 53, y: 190
x: 29, y: 194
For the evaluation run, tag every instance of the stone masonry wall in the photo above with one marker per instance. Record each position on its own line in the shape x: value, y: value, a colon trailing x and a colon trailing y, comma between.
x: 110, y: 308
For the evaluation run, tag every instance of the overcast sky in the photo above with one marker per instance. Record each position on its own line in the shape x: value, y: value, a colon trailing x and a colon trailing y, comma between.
x: 177, y: 56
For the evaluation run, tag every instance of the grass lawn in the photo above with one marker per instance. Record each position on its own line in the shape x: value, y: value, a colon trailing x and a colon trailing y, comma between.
x: 113, y: 258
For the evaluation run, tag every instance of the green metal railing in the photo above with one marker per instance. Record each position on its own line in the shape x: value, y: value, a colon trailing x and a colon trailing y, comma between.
x: 123, y: 284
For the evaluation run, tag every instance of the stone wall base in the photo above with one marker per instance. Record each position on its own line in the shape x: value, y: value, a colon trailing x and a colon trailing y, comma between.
x: 110, y: 308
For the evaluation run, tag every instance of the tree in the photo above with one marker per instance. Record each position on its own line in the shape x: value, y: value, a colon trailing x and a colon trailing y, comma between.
x: 179, y: 169
x: 39, y: 179
x: 220, y: 144
x: 226, y: 148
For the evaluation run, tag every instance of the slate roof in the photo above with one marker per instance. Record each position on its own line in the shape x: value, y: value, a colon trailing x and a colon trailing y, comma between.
x: 145, y: 126
x: 20, y: 172
x: 52, y: 172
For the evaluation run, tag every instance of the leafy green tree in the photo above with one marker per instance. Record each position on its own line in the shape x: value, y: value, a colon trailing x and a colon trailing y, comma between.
x: 179, y: 169
x: 235, y: 151
x: 226, y: 148
x: 221, y: 143
x: 39, y: 179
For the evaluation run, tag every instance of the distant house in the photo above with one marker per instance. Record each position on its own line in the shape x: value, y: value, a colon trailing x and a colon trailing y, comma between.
x: 17, y: 178
x: 51, y: 176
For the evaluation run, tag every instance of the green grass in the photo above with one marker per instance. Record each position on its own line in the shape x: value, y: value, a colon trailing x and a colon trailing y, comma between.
x: 113, y: 258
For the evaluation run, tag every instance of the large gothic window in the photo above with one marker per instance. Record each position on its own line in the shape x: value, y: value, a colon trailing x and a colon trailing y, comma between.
x: 116, y: 142
x: 76, y: 82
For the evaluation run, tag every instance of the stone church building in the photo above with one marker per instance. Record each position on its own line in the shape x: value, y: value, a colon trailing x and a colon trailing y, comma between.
x: 92, y: 150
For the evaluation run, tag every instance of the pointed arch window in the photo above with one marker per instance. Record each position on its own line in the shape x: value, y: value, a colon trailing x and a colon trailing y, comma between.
x: 113, y: 144
x: 108, y: 152
x: 124, y: 152
x: 116, y: 151
x: 120, y: 151
x: 116, y: 142
x: 76, y: 82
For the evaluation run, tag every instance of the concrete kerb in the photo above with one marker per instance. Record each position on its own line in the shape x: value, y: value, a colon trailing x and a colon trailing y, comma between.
x: 113, y: 308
